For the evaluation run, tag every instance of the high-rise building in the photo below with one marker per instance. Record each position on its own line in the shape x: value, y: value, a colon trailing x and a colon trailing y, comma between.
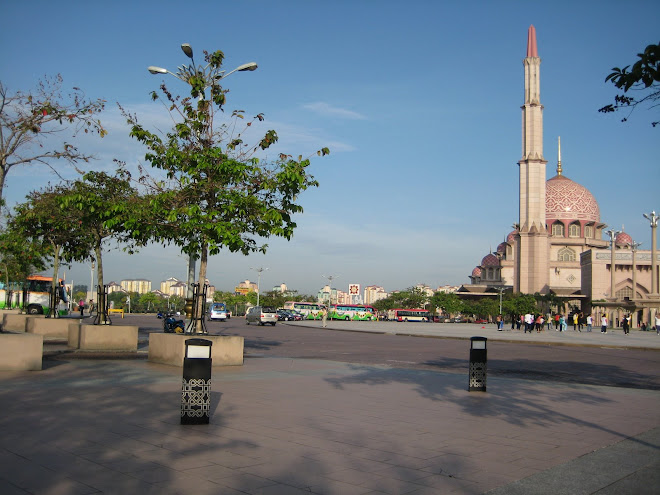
x: 139, y: 285
x: 373, y: 293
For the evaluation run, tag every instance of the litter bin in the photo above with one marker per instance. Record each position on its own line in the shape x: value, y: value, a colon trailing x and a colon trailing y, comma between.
x: 196, y: 384
x: 478, y: 364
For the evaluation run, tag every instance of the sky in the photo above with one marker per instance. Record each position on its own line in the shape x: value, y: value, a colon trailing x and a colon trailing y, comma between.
x: 418, y: 101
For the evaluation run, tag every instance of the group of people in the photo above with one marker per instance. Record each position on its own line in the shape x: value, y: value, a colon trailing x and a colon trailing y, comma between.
x: 530, y: 322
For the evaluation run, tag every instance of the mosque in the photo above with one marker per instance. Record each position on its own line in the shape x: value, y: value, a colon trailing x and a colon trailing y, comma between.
x: 560, y: 246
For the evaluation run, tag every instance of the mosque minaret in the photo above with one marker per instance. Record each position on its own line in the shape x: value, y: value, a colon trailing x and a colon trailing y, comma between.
x: 531, y: 241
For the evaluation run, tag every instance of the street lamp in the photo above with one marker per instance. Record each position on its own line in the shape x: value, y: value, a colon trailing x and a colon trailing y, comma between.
x: 259, y: 271
x: 653, y: 218
x: 210, y: 75
x: 612, y: 233
x: 330, y: 279
x: 500, y: 290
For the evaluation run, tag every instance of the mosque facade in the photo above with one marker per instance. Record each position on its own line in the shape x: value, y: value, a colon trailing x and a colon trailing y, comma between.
x: 560, y: 245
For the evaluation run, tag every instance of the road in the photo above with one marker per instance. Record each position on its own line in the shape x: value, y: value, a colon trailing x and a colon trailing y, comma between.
x: 630, y: 368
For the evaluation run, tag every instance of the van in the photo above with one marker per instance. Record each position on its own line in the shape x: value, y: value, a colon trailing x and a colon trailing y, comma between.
x: 261, y: 315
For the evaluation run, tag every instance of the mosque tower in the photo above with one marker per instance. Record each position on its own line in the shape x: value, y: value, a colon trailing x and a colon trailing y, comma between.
x: 531, y: 241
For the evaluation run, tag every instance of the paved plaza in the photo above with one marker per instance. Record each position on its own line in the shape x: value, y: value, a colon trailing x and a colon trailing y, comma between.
x: 294, y: 426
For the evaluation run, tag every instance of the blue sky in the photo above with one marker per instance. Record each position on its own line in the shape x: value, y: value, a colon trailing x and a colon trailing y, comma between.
x: 418, y: 101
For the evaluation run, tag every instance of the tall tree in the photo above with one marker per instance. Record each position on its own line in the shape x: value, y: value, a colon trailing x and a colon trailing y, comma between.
x: 643, y: 77
x: 218, y: 194
x: 103, y: 204
x: 31, y: 123
x: 58, y: 232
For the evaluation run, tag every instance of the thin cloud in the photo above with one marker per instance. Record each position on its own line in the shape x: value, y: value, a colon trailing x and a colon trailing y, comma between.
x: 322, y: 108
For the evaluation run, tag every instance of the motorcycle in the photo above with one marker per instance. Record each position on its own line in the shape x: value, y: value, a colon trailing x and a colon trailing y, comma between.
x: 172, y: 325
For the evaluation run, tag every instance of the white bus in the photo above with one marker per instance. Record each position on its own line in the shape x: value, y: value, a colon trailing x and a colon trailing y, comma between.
x: 308, y: 310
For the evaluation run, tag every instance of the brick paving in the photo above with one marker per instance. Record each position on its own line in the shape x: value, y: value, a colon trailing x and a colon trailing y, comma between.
x: 294, y: 426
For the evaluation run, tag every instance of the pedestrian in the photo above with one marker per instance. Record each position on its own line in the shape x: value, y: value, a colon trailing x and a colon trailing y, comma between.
x: 562, y: 323
x: 626, y: 325
x: 556, y: 321
x: 575, y: 321
x: 657, y: 323
x: 580, y: 322
x: 513, y: 321
x: 324, y: 317
x: 603, y: 323
x: 590, y: 322
x: 91, y: 307
x: 642, y: 326
x: 81, y: 307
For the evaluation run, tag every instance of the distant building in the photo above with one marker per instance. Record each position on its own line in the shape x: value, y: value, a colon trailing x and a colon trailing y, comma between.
x: 448, y: 289
x: 114, y: 287
x: 373, y: 293
x: 282, y: 288
x: 425, y: 289
x: 139, y: 285
x: 166, y: 284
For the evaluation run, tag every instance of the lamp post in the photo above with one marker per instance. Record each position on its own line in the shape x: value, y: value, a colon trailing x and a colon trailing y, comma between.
x: 500, y: 290
x: 259, y: 271
x: 210, y: 75
x: 612, y: 233
x: 330, y: 279
x: 653, y: 218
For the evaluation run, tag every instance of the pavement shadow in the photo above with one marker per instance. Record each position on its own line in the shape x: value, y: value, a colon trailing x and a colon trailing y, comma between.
x: 564, y: 371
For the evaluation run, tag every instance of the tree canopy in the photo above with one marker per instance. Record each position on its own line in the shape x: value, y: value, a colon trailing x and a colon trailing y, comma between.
x: 643, y: 78
x: 216, y: 193
x: 30, y: 120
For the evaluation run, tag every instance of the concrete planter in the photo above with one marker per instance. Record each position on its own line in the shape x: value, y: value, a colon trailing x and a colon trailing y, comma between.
x: 104, y: 338
x: 16, y: 322
x: 51, y: 328
x: 21, y: 351
x: 170, y: 348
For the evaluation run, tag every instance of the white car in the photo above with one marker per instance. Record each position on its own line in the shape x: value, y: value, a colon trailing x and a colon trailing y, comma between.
x: 261, y: 315
x: 218, y: 312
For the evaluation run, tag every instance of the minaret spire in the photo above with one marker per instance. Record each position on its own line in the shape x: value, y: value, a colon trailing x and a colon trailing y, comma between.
x: 559, y: 155
x: 532, y: 50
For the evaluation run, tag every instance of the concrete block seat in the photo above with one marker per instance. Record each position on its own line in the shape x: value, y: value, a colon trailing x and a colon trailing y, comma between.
x: 170, y: 348
x: 21, y: 351
x: 104, y: 337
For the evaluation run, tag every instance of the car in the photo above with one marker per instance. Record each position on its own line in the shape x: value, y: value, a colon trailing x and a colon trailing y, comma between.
x: 218, y: 312
x: 288, y: 315
x: 261, y: 315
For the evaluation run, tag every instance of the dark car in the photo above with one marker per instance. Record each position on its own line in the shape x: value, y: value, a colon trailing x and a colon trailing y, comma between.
x: 287, y: 315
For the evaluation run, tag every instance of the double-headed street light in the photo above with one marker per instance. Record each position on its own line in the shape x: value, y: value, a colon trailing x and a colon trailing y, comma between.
x: 259, y: 271
x: 210, y: 74
x: 653, y: 218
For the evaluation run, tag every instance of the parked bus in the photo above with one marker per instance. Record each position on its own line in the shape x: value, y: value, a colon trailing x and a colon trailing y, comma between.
x: 36, y: 291
x: 308, y: 310
x: 356, y: 312
x: 408, y: 315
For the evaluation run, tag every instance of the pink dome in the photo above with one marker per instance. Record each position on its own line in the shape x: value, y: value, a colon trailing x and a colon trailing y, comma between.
x: 568, y: 200
x: 476, y: 272
x: 490, y: 260
x: 501, y: 248
x: 623, y: 239
x: 511, y: 237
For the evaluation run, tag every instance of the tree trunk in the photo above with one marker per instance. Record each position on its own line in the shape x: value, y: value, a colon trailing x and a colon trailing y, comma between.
x: 54, y: 285
x: 99, y: 276
x: 203, y: 262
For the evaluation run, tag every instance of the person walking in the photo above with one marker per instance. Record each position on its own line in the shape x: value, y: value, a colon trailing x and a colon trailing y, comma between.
x: 324, y: 317
x: 562, y: 323
x: 580, y: 322
x: 590, y: 322
x: 626, y: 325
x: 81, y: 307
x: 657, y: 323
x: 603, y: 323
x: 575, y: 322
x: 556, y: 321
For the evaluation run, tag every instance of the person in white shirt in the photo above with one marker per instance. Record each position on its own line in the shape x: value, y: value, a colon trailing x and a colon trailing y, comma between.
x: 603, y: 324
x: 657, y: 323
x: 590, y: 322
